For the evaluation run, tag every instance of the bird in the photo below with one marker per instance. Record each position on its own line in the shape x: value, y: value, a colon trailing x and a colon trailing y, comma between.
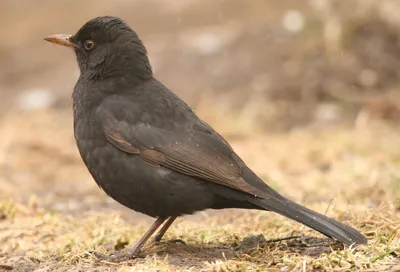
x: 149, y: 151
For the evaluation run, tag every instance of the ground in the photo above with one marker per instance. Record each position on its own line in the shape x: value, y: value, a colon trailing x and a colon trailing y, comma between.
x: 348, y: 173
x: 305, y: 91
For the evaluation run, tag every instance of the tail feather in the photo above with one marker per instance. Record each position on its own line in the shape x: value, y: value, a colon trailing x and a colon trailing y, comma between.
x: 314, y: 220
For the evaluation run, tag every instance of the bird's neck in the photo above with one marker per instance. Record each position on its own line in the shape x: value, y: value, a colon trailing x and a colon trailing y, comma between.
x: 136, y: 70
x: 90, y: 92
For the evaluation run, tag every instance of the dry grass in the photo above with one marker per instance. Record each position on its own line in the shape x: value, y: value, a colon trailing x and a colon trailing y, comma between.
x: 351, y: 174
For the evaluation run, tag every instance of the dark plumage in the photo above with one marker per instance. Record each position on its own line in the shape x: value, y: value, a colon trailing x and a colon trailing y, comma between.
x: 149, y: 151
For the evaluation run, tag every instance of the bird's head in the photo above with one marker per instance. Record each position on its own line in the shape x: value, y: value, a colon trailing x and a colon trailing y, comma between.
x: 105, y: 45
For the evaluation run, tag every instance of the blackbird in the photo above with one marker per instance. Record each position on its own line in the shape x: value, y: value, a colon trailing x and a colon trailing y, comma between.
x: 149, y: 151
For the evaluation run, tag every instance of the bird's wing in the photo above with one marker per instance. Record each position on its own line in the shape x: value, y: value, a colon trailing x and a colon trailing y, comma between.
x: 200, y: 152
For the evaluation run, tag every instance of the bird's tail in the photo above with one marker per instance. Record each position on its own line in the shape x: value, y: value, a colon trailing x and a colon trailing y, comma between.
x: 314, y: 220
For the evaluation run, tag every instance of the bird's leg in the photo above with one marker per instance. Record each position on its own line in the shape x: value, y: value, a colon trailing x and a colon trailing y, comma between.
x: 133, y: 252
x: 136, y: 249
x: 164, y: 229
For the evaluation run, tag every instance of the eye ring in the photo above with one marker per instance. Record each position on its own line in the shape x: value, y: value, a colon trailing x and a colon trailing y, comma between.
x: 89, y: 44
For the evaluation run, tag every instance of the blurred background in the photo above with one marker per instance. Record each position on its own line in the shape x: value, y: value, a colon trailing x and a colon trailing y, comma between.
x: 259, y: 71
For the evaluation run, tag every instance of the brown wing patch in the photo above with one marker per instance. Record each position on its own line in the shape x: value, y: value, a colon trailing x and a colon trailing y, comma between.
x: 212, y: 163
x: 237, y: 183
x: 202, y: 161
x: 218, y: 168
x: 119, y: 141
x: 153, y: 157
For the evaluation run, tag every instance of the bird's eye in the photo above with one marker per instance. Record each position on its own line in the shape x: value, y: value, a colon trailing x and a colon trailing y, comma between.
x: 89, y: 44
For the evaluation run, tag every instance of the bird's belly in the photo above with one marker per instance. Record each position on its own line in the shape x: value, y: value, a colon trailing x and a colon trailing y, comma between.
x: 155, y: 191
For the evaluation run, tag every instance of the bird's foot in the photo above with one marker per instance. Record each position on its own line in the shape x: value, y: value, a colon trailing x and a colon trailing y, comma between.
x: 116, y: 257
